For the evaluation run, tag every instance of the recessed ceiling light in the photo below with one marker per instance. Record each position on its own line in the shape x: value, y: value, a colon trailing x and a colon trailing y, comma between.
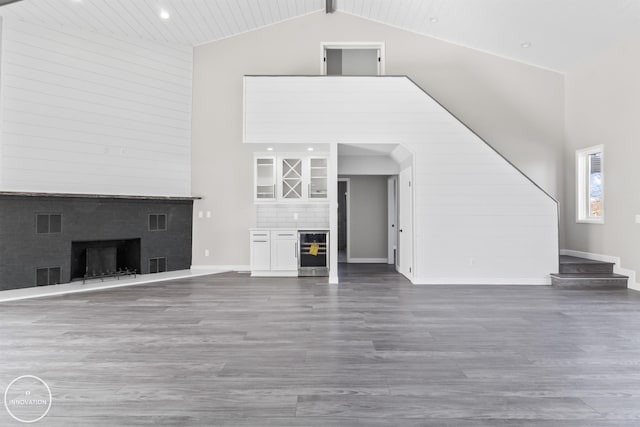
x: 269, y: 148
x: 433, y: 19
x: 525, y: 45
x: 164, y: 14
x: 310, y: 149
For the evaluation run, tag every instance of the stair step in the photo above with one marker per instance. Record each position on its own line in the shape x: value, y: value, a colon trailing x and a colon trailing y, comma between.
x: 589, y: 281
x: 575, y: 265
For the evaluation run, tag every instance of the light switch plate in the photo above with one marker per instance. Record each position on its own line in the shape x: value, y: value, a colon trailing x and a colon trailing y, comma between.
x: 638, y: 219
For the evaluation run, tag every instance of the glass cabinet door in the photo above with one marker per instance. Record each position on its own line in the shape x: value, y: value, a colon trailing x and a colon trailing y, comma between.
x: 291, y: 178
x: 318, y: 178
x: 265, y: 178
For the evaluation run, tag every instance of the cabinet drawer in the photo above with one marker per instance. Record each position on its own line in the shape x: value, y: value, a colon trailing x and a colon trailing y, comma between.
x: 260, y: 235
x: 285, y: 235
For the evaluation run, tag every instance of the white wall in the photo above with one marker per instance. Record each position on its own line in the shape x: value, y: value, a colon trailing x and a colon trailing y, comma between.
x: 476, y: 218
x: 603, y: 107
x: 87, y: 113
x: 367, y: 165
x: 517, y: 108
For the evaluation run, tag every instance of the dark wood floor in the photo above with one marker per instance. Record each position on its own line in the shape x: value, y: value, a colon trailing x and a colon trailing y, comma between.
x: 375, y: 350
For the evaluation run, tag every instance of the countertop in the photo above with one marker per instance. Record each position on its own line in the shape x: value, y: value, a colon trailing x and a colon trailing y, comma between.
x: 290, y: 228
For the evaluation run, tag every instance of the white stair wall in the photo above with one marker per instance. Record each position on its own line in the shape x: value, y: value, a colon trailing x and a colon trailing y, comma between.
x: 477, y: 219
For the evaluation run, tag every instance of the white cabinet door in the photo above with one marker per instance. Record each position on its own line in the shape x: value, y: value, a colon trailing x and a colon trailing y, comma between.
x: 291, y: 178
x: 265, y: 178
x: 318, y: 169
x: 284, y: 251
x: 260, y: 251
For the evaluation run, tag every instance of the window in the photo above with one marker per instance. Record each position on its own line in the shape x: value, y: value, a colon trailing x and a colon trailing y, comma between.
x: 157, y: 265
x: 47, y: 276
x: 590, y: 185
x: 48, y: 223
x: 157, y: 222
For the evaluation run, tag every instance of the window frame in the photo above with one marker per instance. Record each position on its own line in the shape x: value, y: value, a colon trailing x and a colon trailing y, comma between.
x: 583, y: 185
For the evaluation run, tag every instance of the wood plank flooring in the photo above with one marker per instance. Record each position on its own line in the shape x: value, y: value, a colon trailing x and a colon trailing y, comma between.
x: 375, y: 350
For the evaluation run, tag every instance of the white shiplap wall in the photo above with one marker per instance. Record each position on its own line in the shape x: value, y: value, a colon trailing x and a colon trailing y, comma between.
x: 87, y: 113
x: 476, y: 218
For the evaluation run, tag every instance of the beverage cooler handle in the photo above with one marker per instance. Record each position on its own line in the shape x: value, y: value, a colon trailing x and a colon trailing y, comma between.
x: 296, y: 250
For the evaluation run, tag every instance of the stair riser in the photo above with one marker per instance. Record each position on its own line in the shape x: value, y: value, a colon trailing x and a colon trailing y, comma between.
x: 589, y: 283
x: 587, y: 268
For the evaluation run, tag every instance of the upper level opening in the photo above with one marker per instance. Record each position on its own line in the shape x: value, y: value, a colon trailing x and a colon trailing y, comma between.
x: 352, y: 59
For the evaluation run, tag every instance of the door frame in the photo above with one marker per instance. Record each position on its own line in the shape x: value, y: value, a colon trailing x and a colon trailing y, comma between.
x: 351, y: 45
x: 348, y: 199
x: 392, y: 218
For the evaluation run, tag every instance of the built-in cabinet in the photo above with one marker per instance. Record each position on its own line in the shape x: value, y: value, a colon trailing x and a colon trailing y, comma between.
x: 274, y: 252
x: 290, y: 178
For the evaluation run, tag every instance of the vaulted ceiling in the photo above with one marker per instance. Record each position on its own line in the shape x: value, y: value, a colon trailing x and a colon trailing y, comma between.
x: 554, y: 34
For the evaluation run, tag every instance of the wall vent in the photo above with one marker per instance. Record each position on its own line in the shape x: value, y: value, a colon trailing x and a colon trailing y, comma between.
x: 48, y: 223
x: 157, y: 265
x: 157, y: 222
x: 47, y: 276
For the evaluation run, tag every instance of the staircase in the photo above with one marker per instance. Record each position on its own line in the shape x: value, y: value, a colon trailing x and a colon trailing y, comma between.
x: 581, y: 273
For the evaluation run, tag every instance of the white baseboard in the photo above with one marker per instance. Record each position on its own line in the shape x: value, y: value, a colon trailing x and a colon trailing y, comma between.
x: 239, y: 267
x: 98, y: 285
x: 367, y: 260
x: 274, y: 273
x: 631, y: 284
x: 500, y: 281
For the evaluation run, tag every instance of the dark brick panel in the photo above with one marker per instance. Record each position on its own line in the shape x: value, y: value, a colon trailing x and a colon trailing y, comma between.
x: 22, y: 250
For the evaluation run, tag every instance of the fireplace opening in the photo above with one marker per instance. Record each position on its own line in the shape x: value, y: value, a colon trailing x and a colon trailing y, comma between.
x: 103, y: 258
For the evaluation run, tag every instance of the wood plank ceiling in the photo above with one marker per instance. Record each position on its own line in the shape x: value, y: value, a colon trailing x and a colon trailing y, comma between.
x: 548, y: 33
x: 191, y: 22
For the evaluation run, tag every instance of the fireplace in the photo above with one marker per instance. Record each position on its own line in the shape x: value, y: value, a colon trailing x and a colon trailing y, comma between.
x: 103, y: 258
x: 46, y: 238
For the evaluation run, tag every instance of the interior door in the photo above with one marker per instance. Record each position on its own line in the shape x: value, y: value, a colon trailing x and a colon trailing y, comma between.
x: 405, y: 224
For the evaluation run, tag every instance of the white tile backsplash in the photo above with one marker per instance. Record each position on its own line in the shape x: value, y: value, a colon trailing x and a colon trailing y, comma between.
x: 281, y: 215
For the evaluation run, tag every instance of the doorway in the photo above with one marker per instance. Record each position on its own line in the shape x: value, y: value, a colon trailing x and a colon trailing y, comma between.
x: 392, y: 218
x: 343, y: 215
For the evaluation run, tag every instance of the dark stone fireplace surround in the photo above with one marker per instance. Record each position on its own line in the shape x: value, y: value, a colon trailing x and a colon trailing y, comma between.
x: 127, y: 224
